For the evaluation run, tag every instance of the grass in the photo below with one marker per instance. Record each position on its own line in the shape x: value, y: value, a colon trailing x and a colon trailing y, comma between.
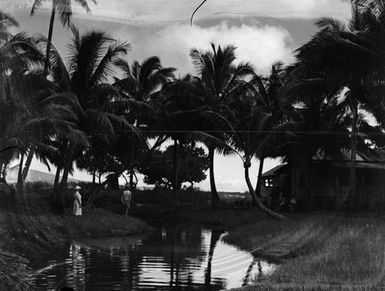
x: 319, y: 252
x: 14, y: 272
x: 322, y: 251
x: 31, y: 233
x: 157, y: 208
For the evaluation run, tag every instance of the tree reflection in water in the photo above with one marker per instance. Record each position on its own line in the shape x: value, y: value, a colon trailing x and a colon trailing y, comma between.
x: 172, y: 258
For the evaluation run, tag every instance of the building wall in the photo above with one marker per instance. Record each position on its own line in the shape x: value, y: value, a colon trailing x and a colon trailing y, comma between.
x: 331, y: 186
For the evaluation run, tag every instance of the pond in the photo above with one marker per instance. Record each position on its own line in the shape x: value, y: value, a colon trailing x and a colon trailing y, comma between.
x: 174, y: 258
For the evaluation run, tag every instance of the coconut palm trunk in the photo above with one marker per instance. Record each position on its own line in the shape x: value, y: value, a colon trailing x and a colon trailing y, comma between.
x: 259, y: 180
x: 20, y: 182
x: 176, y: 173
x: 352, y: 197
x: 49, y: 40
x: 28, y: 163
x: 94, y: 177
x: 132, y: 170
x: 56, y: 184
x: 215, y: 200
x: 62, y: 191
x: 255, y: 199
x: 60, y: 201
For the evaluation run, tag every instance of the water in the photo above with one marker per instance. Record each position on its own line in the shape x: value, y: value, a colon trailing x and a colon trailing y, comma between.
x: 168, y: 259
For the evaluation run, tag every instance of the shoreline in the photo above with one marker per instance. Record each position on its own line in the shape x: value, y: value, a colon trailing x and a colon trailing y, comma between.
x: 30, y: 236
x: 314, y: 250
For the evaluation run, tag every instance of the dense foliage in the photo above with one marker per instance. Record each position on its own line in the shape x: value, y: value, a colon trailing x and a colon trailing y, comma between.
x: 157, y: 169
x: 78, y: 112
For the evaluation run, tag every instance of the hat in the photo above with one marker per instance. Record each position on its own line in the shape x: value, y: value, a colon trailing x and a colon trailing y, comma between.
x: 78, y: 187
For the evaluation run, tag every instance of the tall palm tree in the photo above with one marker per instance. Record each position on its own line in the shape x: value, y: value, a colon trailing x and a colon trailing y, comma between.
x: 220, y: 79
x: 351, y: 57
x: 43, y: 113
x: 318, y: 125
x: 64, y: 8
x: 91, y: 65
x: 273, y: 101
x: 23, y: 106
x: 183, y: 116
x: 6, y: 154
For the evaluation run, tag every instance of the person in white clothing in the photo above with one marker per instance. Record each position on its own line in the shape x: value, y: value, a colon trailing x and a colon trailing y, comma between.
x: 77, y: 206
x: 125, y: 198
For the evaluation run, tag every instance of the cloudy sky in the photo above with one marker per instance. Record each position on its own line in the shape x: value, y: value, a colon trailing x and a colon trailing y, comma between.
x: 263, y: 31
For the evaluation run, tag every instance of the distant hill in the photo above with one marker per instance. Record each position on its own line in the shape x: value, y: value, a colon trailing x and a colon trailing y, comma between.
x: 34, y: 176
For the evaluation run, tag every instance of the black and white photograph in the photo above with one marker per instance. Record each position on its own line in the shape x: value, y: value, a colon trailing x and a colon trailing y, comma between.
x: 201, y: 145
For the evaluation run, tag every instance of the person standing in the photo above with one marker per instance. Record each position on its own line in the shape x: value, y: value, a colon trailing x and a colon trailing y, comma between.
x: 125, y: 198
x: 77, y: 205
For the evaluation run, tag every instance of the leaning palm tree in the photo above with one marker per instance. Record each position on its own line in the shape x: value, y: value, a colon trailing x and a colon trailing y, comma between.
x: 247, y: 141
x: 220, y: 79
x: 64, y: 8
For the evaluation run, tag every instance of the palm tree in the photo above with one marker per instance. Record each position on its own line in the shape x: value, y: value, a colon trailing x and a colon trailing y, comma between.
x: 43, y: 114
x: 246, y: 139
x: 6, y: 21
x: 220, y: 80
x: 351, y: 57
x: 183, y: 117
x: 26, y: 107
x: 318, y: 125
x: 64, y: 8
x: 92, y: 63
x: 273, y: 101
x: 6, y: 154
x: 140, y: 88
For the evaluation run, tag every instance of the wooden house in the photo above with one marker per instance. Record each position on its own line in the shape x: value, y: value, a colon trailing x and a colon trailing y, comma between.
x: 324, y: 182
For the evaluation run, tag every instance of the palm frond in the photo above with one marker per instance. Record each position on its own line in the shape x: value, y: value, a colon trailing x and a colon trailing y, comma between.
x: 330, y: 23
x: 105, y: 68
x: 36, y: 5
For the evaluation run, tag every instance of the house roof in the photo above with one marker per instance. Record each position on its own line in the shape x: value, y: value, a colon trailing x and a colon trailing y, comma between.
x: 373, y: 159
x: 275, y: 171
x: 359, y: 165
x: 374, y: 155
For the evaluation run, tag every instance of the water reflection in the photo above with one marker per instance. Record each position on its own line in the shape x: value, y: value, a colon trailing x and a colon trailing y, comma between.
x: 169, y: 259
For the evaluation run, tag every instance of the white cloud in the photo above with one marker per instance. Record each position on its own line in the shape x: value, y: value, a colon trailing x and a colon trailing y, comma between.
x: 257, y: 44
x: 180, y: 10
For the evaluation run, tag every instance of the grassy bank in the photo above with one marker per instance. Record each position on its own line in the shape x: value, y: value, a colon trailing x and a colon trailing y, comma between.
x: 157, y: 207
x: 31, y: 233
x: 319, y: 252
x: 322, y: 251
